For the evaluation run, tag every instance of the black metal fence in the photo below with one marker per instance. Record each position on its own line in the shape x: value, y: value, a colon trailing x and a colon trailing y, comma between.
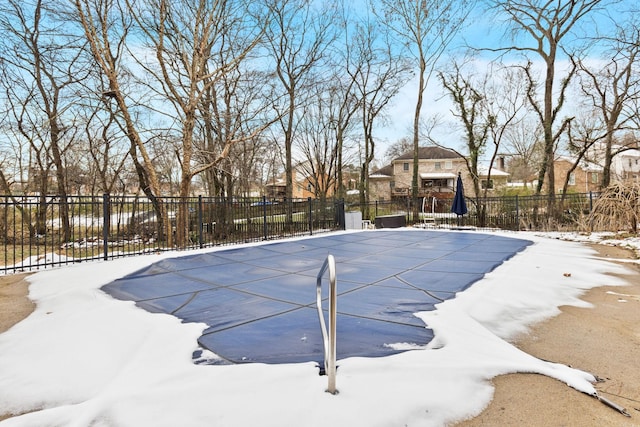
x: 508, y: 212
x: 37, y: 232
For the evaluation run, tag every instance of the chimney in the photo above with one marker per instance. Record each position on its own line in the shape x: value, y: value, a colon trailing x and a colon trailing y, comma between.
x: 501, y: 163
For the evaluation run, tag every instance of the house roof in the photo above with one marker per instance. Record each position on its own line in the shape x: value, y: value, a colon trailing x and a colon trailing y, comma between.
x: 585, y: 165
x: 431, y: 152
x: 483, y: 171
x: 437, y: 175
x: 383, y: 172
x: 630, y: 153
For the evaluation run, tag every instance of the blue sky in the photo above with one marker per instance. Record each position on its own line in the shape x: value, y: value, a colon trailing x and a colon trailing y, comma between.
x: 484, y: 30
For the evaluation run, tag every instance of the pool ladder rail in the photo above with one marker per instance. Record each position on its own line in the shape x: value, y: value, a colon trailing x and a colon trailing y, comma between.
x: 329, y: 337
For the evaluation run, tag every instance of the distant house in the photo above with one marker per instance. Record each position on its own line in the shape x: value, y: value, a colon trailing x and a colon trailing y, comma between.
x: 380, y: 182
x: 497, y: 179
x: 584, y: 178
x: 303, y: 184
x: 587, y: 176
x: 626, y: 166
x: 438, y: 169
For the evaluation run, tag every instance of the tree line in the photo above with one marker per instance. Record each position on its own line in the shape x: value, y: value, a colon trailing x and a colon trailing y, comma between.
x: 159, y: 96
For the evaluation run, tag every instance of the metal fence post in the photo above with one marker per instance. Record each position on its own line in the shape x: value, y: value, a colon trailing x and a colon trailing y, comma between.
x: 5, y: 237
x: 310, y: 216
x: 264, y: 217
x: 106, y: 222
x: 340, y: 215
x: 200, y: 225
x: 517, y: 214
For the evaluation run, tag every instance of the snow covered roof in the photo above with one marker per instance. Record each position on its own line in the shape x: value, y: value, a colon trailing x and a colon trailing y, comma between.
x: 483, y: 170
x: 437, y: 175
x: 585, y: 165
x: 383, y: 172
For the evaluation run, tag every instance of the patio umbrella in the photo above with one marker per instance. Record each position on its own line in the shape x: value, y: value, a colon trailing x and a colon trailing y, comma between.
x: 459, y: 206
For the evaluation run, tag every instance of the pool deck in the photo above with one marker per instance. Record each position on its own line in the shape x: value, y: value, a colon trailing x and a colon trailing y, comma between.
x: 259, y: 302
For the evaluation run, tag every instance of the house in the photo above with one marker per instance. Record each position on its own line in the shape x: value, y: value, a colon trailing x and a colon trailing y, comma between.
x: 438, y: 168
x: 497, y: 179
x: 625, y: 166
x: 586, y: 177
x: 303, y: 184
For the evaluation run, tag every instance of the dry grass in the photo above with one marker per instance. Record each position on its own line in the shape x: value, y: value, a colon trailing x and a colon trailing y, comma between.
x: 616, y: 209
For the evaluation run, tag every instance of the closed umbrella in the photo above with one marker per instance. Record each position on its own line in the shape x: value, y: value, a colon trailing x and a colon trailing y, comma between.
x: 459, y: 206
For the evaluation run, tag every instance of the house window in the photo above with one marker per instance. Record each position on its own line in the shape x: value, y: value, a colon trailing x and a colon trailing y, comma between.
x: 629, y: 162
x: 448, y: 164
x: 438, y: 166
x: 594, y: 177
x: 435, y: 183
x: 405, y: 166
x: 487, y: 184
x: 572, y: 179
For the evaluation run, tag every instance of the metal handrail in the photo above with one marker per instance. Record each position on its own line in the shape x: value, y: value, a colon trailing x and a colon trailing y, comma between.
x: 329, y: 337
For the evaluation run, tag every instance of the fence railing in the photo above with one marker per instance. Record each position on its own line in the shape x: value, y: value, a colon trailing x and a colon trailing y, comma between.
x: 41, y: 231
x: 37, y: 232
x: 507, y: 212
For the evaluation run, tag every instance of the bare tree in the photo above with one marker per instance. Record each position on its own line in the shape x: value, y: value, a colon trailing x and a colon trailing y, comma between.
x: 234, y: 111
x: 107, y: 155
x: 549, y: 26
x: 471, y: 108
x: 249, y: 161
x: 523, y: 146
x: 378, y: 74
x: 488, y: 105
x: 298, y: 36
x: 584, y: 132
x: 195, y: 45
x: 342, y: 90
x: 45, y: 65
x: 107, y: 25
x: 398, y: 148
x: 506, y: 108
x: 613, y: 89
x: 317, y: 144
x: 427, y: 28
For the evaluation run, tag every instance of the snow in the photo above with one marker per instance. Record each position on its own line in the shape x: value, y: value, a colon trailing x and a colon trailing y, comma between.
x: 83, y: 358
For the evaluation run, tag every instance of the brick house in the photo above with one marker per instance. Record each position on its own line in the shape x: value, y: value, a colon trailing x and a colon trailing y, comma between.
x: 438, y: 168
x: 625, y: 167
x: 585, y: 177
x: 302, y: 184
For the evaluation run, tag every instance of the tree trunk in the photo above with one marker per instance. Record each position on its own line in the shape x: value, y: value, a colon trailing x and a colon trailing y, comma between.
x: 416, y: 134
x: 182, y: 216
x: 608, y: 159
x: 60, y: 177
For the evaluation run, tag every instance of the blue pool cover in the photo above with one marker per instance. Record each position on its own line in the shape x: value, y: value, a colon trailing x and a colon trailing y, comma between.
x: 259, y: 301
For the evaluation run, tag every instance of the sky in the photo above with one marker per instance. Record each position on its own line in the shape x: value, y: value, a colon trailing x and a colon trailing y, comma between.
x: 83, y: 358
x: 483, y: 30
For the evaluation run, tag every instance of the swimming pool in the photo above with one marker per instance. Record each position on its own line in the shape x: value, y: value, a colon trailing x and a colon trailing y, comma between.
x: 259, y: 301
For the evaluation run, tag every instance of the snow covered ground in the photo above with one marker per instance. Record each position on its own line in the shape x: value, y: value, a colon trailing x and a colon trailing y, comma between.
x: 85, y: 359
